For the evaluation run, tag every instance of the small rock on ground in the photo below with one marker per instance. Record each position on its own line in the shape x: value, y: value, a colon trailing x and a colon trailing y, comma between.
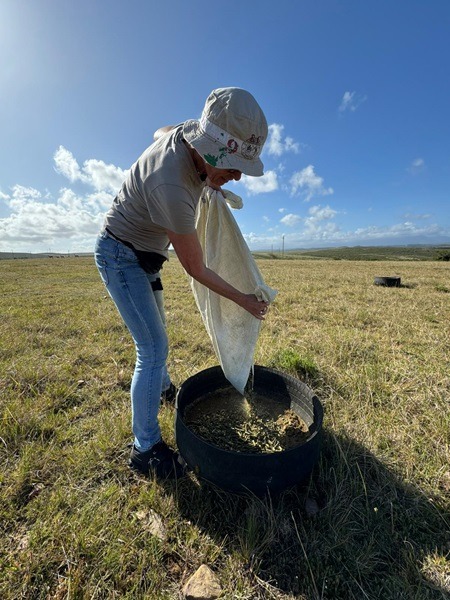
x: 153, y: 523
x: 202, y: 585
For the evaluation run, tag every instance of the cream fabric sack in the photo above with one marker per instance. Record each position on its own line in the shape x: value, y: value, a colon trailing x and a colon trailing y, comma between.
x: 233, y: 331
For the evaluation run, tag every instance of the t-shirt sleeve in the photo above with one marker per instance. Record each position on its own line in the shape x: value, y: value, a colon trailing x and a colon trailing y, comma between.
x: 173, y: 208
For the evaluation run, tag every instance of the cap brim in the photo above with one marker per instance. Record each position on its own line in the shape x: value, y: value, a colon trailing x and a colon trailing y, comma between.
x: 206, y: 147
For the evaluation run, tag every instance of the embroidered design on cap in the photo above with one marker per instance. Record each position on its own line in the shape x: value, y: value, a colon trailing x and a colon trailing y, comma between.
x: 232, y: 146
x: 250, y: 149
x: 213, y: 159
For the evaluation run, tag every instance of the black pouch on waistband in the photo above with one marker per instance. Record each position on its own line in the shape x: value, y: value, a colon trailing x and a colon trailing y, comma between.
x: 157, y: 285
x: 151, y: 262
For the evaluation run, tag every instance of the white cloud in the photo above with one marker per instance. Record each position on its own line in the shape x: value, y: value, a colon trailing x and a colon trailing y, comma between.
x: 327, y: 233
x: 276, y: 145
x: 103, y: 177
x: 259, y: 185
x: 69, y: 200
x: 417, y: 216
x: 290, y: 220
x: 396, y: 231
x: 319, y: 213
x: 20, y: 196
x: 281, y: 210
x: 307, y: 182
x: 38, y: 222
x: 417, y: 166
x: 351, y: 101
x: 65, y: 164
x: 315, y: 225
x: 318, y: 224
x: 96, y: 173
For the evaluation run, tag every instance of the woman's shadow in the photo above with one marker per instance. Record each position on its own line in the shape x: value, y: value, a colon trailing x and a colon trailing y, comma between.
x: 353, y: 530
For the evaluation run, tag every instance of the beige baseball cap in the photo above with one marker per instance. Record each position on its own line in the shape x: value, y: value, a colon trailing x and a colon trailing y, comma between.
x: 231, y: 132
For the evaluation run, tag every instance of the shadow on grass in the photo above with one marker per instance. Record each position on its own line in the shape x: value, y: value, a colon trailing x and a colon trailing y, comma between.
x: 409, y: 286
x: 354, y: 530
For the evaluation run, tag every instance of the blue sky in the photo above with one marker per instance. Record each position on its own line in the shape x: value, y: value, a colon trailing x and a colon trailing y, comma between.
x: 357, y: 95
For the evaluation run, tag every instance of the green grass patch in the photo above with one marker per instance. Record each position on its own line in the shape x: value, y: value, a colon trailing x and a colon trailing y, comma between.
x: 291, y: 362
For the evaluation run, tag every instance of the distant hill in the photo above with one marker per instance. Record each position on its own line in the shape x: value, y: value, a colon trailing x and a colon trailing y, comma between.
x: 16, y: 255
x: 418, y: 252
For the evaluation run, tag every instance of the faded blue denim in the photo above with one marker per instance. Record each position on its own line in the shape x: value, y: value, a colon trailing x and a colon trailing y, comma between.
x: 142, y: 310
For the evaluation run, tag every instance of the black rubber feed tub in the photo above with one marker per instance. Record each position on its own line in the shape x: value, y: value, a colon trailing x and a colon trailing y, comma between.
x: 387, y: 281
x: 241, y: 472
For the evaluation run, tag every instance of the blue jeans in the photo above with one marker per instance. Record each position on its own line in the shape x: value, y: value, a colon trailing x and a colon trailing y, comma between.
x: 142, y: 310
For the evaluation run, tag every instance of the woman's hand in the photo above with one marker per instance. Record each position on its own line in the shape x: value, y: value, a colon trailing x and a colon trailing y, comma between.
x: 190, y: 253
x: 257, y: 308
x: 212, y: 185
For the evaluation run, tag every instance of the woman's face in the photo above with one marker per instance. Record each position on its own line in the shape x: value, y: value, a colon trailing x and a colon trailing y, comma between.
x: 220, y: 177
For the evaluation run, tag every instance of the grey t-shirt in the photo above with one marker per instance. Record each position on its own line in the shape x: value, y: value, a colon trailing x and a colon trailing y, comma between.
x: 161, y: 192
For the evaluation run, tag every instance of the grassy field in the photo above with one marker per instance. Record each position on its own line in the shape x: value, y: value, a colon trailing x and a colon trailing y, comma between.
x: 371, y: 523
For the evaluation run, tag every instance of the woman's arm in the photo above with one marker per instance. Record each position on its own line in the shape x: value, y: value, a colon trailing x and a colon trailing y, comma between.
x: 190, y: 253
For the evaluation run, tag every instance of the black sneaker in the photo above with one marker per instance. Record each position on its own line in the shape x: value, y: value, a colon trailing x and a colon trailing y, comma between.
x: 169, y: 395
x: 159, y: 460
